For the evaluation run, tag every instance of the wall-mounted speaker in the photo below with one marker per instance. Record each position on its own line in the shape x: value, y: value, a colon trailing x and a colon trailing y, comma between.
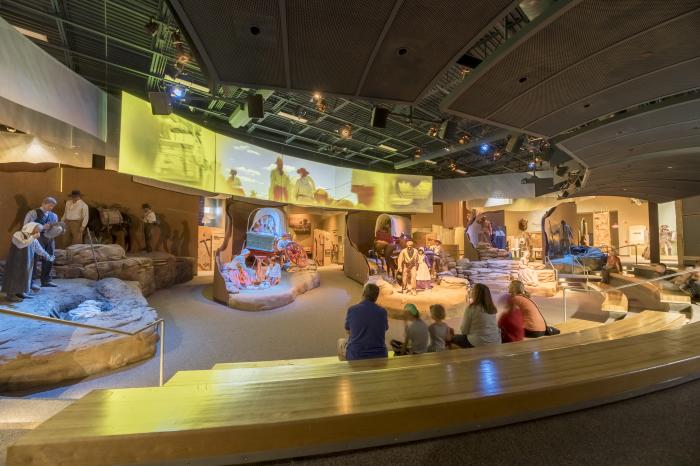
x: 98, y: 161
x: 448, y: 130
x: 515, y: 142
x: 160, y: 103
x: 254, y: 104
x: 379, y: 117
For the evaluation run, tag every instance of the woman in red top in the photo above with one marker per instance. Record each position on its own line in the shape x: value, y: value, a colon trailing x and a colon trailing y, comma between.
x: 511, y: 325
x: 533, y: 323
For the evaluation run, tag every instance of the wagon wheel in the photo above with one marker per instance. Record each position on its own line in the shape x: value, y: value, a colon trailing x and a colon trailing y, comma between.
x: 296, y: 254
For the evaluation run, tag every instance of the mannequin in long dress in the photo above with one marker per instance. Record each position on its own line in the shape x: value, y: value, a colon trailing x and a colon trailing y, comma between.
x: 423, y: 274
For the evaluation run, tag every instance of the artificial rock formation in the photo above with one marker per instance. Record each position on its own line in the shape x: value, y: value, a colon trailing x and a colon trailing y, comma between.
x: 498, y: 273
x: 292, y: 285
x: 451, y: 292
x: 35, y: 353
x: 152, y: 271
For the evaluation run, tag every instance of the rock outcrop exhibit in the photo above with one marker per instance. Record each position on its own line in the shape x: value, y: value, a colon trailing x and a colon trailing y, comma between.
x: 498, y: 273
x: 36, y: 353
x: 292, y: 285
x: 154, y: 270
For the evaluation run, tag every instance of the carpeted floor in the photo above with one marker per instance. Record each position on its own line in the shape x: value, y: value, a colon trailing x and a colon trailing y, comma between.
x: 661, y: 428
x: 200, y: 332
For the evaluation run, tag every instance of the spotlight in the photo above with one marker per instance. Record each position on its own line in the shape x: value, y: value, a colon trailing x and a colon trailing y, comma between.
x: 417, y: 154
x: 497, y: 155
x: 463, y: 139
x: 345, y: 132
x: 151, y: 28
x: 433, y: 131
x: 181, y: 55
x: 319, y: 102
x: 484, y: 148
x: 178, y: 92
x: 452, y: 166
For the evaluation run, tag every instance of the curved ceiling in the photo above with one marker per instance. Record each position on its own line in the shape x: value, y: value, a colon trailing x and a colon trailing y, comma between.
x: 612, y: 83
x: 384, y: 50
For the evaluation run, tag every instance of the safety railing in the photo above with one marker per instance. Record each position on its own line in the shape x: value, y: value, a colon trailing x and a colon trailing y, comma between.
x: 619, y: 248
x: 630, y: 285
x: 159, y: 322
x: 547, y: 260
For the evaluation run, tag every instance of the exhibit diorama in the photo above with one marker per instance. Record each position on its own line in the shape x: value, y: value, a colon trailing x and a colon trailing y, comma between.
x: 174, y: 222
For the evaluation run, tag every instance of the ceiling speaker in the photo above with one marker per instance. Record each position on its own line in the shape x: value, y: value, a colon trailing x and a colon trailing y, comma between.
x: 254, y: 105
x: 448, y: 130
x: 160, y: 103
x: 515, y: 142
x: 379, y: 117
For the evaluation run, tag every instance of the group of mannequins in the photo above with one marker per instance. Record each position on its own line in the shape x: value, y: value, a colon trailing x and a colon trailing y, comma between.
x: 419, y: 266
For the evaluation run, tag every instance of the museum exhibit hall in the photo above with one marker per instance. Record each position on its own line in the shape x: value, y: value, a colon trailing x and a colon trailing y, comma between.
x: 321, y: 232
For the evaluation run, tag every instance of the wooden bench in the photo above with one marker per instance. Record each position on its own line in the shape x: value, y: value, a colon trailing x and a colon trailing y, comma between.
x: 644, y: 322
x: 640, y: 297
x: 226, y: 424
x: 576, y: 325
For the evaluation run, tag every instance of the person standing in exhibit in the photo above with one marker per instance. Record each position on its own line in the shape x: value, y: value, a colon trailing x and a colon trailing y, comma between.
x: 150, y: 220
x: 408, y: 264
x: 45, y: 217
x: 565, y: 238
x: 366, y: 324
x: 304, y: 188
x: 486, y: 230
x: 665, y: 239
x: 76, y: 215
x: 279, y: 183
x: 234, y: 184
x: 25, y: 244
x: 437, y: 257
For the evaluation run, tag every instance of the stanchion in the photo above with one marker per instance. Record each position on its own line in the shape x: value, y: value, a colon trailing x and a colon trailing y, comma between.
x: 564, y: 298
x: 161, y: 330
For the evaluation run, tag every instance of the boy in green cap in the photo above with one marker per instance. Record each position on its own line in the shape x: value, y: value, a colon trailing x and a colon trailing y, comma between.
x: 416, y: 337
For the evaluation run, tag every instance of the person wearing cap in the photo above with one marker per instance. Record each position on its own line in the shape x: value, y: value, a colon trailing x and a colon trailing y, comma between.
x: 17, y: 281
x: 366, y: 324
x: 76, y: 215
x: 304, y: 188
x: 45, y: 217
x: 417, y: 335
x: 150, y: 220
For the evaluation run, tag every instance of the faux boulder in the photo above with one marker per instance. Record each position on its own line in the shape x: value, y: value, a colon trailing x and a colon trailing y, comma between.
x: 498, y: 273
x: 36, y: 353
x: 152, y: 271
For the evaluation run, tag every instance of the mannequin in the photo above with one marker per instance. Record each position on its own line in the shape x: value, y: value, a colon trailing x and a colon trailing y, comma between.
x: 408, y: 264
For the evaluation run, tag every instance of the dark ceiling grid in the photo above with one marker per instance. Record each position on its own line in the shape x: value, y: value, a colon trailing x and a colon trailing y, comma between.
x: 137, y: 62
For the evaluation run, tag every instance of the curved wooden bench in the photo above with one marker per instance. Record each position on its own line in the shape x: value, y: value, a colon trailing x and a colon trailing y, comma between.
x: 615, y: 302
x: 645, y: 322
x: 640, y: 297
x: 225, y: 424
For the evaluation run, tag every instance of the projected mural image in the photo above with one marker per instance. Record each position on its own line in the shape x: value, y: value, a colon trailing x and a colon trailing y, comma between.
x: 172, y: 149
x: 165, y: 147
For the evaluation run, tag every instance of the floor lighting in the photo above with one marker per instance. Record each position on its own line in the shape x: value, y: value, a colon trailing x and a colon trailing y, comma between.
x: 289, y: 116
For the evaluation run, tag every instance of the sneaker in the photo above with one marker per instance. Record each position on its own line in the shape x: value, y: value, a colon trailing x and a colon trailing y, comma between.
x: 49, y: 285
x: 36, y: 288
x: 23, y: 296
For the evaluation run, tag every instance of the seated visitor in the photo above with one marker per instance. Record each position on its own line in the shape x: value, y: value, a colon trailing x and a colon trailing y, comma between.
x: 274, y: 272
x: 416, y: 336
x: 665, y: 284
x: 511, y: 325
x: 533, y: 322
x: 423, y: 274
x: 479, y: 326
x: 613, y: 265
x: 19, y: 265
x: 366, y: 324
x: 440, y: 332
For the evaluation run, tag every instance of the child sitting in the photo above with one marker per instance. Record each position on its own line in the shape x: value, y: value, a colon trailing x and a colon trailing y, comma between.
x: 416, y: 334
x: 440, y: 332
x: 274, y: 272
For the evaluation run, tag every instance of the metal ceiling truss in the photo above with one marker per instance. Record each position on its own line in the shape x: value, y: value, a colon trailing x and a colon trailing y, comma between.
x: 111, y: 35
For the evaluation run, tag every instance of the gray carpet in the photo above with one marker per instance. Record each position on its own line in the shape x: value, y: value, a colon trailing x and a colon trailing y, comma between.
x: 662, y: 428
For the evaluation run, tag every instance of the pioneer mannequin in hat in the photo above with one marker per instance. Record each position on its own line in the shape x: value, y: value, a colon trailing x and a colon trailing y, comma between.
x: 75, y: 215
x: 45, y: 217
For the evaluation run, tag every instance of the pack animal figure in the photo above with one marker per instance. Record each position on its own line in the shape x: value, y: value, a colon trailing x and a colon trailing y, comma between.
x: 110, y: 226
x: 386, y: 253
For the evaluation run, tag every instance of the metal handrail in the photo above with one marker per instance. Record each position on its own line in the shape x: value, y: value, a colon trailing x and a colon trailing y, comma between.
x: 617, y: 249
x: 556, y: 272
x: 650, y: 280
x: 586, y: 273
x: 159, y: 322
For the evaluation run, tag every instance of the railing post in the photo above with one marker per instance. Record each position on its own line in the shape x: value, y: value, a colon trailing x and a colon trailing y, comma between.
x: 564, y: 298
x: 161, y: 330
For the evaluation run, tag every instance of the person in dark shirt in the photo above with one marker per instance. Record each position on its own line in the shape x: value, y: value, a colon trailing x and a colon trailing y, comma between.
x: 366, y: 324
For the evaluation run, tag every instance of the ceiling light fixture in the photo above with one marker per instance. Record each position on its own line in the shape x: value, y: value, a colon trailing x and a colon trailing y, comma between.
x: 387, y: 148
x: 461, y: 172
x: 433, y: 131
x: 463, y: 139
x: 484, y: 148
x: 431, y: 162
x: 417, y: 153
x: 32, y: 34
x: 289, y: 116
x: 345, y: 132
